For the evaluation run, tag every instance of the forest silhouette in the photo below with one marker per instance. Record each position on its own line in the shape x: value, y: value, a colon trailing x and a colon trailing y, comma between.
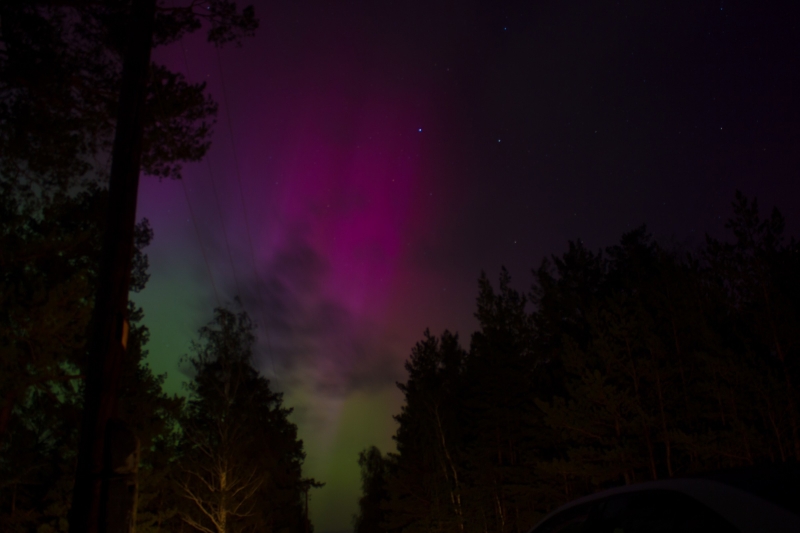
x: 207, y: 462
x: 636, y: 363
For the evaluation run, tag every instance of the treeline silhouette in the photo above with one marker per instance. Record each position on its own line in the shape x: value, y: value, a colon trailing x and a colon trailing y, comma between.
x: 637, y: 363
x: 224, y: 459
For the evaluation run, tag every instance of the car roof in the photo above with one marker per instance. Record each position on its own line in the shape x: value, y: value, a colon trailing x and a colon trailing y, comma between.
x: 778, y: 483
x: 747, y: 512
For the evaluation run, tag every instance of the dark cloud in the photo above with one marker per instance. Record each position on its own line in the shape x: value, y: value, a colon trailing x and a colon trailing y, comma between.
x: 306, y: 338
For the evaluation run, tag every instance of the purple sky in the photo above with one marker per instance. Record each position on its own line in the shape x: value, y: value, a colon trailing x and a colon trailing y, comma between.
x: 338, y: 160
x: 380, y: 154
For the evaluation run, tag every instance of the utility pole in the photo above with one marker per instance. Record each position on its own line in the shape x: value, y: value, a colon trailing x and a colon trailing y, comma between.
x: 104, y: 494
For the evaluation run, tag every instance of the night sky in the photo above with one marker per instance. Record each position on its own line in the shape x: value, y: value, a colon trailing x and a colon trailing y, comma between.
x: 371, y: 158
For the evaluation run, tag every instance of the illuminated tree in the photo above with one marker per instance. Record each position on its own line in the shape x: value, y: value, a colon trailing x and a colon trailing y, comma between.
x: 240, y: 463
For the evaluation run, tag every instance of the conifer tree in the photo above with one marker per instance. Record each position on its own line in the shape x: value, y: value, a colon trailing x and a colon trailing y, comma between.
x: 638, y: 362
x: 425, y: 480
x: 371, y: 506
x: 60, y: 65
x: 240, y: 460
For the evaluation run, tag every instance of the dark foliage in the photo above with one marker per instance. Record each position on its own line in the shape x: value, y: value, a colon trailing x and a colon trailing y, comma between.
x: 239, y: 466
x: 60, y: 69
x: 634, y: 363
x: 371, y: 515
x: 60, y: 64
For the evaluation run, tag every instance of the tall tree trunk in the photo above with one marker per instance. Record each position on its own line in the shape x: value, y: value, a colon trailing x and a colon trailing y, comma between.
x: 667, y: 447
x: 501, y: 516
x: 789, y: 387
x: 109, y: 326
x: 719, y: 395
x: 455, y: 494
x: 775, y: 428
x: 651, y: 455
x: 642, y: 412
x: 679, y: 358
x: 223, y: 507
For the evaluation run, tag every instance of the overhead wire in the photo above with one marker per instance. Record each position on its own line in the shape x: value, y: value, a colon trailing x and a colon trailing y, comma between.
x: 216, y: 198
x: 200, y: 243
x: 258, y: 279
x: 244, y: 208
x: 196, y: 228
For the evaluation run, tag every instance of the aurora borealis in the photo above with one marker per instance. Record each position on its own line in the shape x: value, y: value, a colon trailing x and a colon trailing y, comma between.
x: 339, y: 190
x: 389, y: 152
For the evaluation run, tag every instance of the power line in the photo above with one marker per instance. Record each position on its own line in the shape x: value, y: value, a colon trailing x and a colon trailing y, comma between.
x: 194, y: 223
x: 200, y: 243
x: 244, y: 207
x: 216, y: 198
x: 224, y: 231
